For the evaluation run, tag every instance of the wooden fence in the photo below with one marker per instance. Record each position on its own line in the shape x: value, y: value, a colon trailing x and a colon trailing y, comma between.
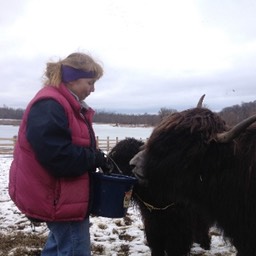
x: 7, y: 144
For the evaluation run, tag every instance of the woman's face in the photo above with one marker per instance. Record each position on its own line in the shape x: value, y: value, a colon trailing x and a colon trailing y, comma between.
x: 82, y: 87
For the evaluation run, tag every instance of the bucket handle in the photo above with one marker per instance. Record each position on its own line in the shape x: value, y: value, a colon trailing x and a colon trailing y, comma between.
x: 114, y: 163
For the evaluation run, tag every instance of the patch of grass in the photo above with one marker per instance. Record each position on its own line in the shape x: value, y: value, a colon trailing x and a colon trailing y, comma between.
x: 124, y: 248
x: 126, y: 237
x: 119, y: 223
x: 21, y: 244
x: 128, y: 221
x: 102, y: 226
x: 115, y: 231
x: 98, y: 249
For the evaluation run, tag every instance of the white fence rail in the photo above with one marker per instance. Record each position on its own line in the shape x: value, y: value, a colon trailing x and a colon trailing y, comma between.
x: 105, y: 144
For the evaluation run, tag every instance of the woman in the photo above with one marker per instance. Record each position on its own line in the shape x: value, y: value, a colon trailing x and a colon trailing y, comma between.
x: 55, y: 153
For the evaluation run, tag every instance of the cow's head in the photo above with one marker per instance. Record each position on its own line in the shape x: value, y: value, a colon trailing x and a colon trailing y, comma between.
x: 186, y: 147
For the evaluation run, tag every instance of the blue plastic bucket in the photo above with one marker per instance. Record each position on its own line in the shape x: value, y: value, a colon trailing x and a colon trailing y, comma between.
x: 111, y: 194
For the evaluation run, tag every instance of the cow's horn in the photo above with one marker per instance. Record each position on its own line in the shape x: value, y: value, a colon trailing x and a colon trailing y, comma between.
x: 200, y: 102
x: 236, y: 130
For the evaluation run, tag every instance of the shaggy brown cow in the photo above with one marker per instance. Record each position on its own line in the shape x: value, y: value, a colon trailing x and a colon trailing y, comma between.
x: 190, y: 157
x: 169, y: 227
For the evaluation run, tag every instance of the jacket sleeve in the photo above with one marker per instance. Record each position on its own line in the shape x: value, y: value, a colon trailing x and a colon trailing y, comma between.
x: 50, y: 137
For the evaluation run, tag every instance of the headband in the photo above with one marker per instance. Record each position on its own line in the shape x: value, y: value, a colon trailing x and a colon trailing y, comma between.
x: 70, y: 74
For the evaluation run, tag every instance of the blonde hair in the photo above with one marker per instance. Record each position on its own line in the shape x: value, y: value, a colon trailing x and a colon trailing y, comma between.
x: 78, y: 60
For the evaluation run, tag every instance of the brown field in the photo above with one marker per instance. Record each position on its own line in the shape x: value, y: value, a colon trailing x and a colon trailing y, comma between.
x: 10, y: 121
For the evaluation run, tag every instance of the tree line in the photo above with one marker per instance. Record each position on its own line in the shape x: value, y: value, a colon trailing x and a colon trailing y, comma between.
x: 232, y: 115
x: 236, y: 113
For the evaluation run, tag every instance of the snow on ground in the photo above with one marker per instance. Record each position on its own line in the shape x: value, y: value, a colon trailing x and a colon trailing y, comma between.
x: 108, y: 236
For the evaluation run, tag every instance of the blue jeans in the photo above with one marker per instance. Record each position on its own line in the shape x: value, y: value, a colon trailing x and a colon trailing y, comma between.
x: 68, y: 239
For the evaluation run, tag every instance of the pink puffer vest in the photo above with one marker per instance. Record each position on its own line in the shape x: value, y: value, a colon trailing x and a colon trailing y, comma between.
x: 35, y: 192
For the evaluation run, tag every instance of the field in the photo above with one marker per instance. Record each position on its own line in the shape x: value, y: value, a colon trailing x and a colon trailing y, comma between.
x: 10, y: 122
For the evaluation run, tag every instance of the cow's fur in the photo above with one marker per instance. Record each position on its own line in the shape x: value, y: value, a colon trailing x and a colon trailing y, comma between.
x: 173, y: 227
x: 183, y: 162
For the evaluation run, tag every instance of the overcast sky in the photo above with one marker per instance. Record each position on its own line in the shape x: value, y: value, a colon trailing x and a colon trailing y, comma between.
x: 155, y: 53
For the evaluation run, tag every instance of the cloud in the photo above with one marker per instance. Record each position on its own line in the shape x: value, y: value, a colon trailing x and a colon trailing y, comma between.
x: 155, y: 53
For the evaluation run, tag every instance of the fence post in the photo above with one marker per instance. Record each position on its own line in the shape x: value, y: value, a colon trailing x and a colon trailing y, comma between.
x: 14, y: 140
x: 97, y: 141
x: 108, y: 144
